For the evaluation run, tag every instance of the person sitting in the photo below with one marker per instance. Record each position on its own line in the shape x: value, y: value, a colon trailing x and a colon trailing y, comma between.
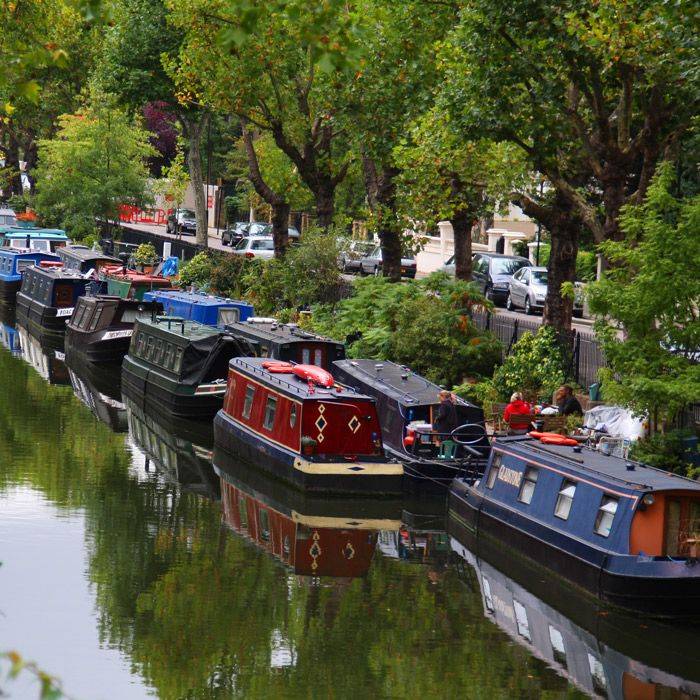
x: 517, y: 415
x: 567, y: 403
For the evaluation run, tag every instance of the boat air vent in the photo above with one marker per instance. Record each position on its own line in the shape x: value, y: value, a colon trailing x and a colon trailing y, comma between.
x: 630, y: 466
x: 379, y: 367
x: 577, y: 448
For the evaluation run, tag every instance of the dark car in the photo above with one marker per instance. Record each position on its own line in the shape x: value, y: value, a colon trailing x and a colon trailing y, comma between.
x: 183, y: 221
x: 372, y: 264
x: 493, y: 272
x: 233, y: 234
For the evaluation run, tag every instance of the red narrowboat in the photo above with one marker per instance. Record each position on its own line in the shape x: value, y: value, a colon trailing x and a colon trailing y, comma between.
x: 295, y: 422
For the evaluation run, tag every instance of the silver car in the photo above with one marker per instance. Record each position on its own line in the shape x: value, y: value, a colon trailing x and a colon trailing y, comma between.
x: 372, y: 264
x: 255, y: 247
x: 528, y: 290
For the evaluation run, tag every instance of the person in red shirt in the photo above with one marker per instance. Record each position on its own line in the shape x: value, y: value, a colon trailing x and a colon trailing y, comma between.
x: 516, y: 408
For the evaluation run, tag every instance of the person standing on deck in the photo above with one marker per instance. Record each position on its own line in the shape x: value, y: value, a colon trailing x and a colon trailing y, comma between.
x: 445, y: 420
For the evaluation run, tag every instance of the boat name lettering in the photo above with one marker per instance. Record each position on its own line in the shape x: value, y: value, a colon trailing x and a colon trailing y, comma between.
x: 510, y: 476
x: 64, y: 312
x: 111, y: 335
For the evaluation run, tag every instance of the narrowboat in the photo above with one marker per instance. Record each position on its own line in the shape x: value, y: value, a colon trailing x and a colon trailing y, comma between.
x: 179, y: 366
x: 100, y: 393
x: 45, y: 355
x: 82, y: 260
x: 604, y: 653
x: 13, y: 263
x: 47, y: 298
x: 203, y: 308
x: 45, y: 240
x: 131, y: 284
x: 407, y: 404
x: 621, y: 531
x: 295, y: 422
x: 101, y: 326
x: 180, y: 459
x: 288, y: 342
x: 309, y: 544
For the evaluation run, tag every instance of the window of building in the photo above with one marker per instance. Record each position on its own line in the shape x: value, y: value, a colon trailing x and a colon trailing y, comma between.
x: 527, y: 486
x: 270, y: 409
x: 293, y: 415
x: 493, y: 471
x: 248, y: 402
x: 606, y: 515
x: 565, y: 499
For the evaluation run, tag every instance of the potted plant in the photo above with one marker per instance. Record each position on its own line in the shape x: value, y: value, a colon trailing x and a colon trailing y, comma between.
x: 145, y: 257
x: 308, y: 445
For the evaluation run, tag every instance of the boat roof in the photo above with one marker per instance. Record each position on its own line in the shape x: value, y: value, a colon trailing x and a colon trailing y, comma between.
x: 57, y: 273
x: 6, y: 250
x: 399, y: 382
x: 641, y: 477
x: 290, y: 383
x: 270, y: 329
x: 19, y: 232
x: 198, y: 298
x: 84, y: 254
x: 179, y: 326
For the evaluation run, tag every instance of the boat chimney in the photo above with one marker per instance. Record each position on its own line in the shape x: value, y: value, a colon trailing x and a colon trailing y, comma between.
x: 577, y: 448
x: 379, y: 367
x: 630, y: 466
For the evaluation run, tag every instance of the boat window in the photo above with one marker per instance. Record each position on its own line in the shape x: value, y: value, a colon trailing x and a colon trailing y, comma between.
x: 488, y: 598
x: 565, y: 499
x: 96, y: 319
x: 557, y: 641
x: 264, y: 517
x: 149, y: 347
x: 286, y: 546
x: 228, y: 316
x: 130, y: 315
x: 527, y: 487
x: 158, y: 354
x: 493, y: 472
x: 318, y: 357
x: 521, y: 620
x: 293, y: 415
x: 23, y: 265
x: 248, y: 403
x: 606, y: 515
x: 270, y: 410
x: 600, y: 683
x: 139, y: 343
x: 177, y: 365
x: 168, y: 359
x: 305, y: 356
x: 79, y: 313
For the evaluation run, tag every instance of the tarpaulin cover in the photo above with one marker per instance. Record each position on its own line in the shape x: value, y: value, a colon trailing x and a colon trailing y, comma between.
x: 206, y: 359
x: 170, y: 266
x: 615, y: 421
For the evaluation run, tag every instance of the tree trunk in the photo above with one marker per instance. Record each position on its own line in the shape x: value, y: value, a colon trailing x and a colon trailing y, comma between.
x: 14, y: 184
x: 194, y: 128
x: 462, y: 229
x: 280, y: 227
x: 381, y: 193
x: 325, y: 202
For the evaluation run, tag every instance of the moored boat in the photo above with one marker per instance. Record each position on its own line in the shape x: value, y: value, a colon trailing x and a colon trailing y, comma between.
x: 179, y: 367
x: 47, y: 298
x: 619, y: 530
x: 295, y: 422
x: 101, y: 326
x: 203, y: 308
x: 131, y: 284
x: 286, y: 341
x: 13, y: 263
x: 83, y: 260
x: 45, y: 240
x: 407, y: 405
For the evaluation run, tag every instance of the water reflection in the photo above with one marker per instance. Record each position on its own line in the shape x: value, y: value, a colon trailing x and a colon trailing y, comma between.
x: 99, y: 390
x: 9, y: 338
x: 604, y: 653
x: 45, y: 354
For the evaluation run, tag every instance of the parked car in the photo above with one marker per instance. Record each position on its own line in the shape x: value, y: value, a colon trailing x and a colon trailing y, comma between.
x: 352, y: 253
x: 186, y: 221
x: 7, y: 217
x: 528, y: 290
x: 292, y: 232
x: 255, y: 247
x: 493, y: 272
x: 372, y: 264
x: 233, y: 234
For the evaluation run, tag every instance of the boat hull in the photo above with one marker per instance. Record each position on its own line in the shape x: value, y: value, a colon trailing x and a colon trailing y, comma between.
x: 362, y: 478
x: 8, y: 290
x: 592, y: 572
x: 39, y: 318
x: 95, y: 347
x: 434, y: 475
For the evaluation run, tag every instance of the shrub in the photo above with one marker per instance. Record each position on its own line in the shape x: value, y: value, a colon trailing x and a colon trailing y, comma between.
x: 536, y: 367
x: 145, y: 254
x: 227, y: 275
x: 197, y: 271
x: 669, y: 451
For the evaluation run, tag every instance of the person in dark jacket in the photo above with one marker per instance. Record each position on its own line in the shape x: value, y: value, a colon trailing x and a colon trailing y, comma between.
x: 445, y: 421
x: 567, y: 403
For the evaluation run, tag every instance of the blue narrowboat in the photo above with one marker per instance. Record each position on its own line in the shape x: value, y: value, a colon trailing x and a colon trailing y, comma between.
x: 47, y: 298
x: 13, y: 263
x: 47, y: 240
x: 202, y: 308
x: 627, y: 533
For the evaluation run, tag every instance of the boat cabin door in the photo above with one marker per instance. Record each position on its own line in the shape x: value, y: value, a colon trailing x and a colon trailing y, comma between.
x: 682, y: 527
x: 64, y: 295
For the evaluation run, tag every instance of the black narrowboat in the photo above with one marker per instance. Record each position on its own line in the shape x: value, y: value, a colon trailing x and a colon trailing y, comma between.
x: 407, y: 404
x: 101, y: 327
x: 82, y: 260
x: 288, y: 342
x: 178, y: 366
x: 47, y: 299
x: 295, y: 422
x: 605, y: 653
x: 624, y: 532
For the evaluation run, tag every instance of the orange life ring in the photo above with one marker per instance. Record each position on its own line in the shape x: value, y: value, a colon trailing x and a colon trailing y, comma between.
x: 558, y: 440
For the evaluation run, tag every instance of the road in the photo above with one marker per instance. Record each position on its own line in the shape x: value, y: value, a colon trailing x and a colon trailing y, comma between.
x: 582, y: 325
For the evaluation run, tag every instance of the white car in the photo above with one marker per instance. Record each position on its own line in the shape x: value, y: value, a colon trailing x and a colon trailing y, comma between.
x: 255, y: 247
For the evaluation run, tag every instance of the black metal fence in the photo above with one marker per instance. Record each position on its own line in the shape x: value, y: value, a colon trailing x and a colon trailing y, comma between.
x: 181, y: 248
x: 586, y: 355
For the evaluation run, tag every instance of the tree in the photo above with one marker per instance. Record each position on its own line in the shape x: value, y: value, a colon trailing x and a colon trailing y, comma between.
x: 445, y: 177
x: 652, y: 293
x: 95, y: 164
x: 173, y: 184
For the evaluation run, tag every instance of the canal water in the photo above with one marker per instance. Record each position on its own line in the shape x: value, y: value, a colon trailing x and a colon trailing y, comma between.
x: 131, y: 568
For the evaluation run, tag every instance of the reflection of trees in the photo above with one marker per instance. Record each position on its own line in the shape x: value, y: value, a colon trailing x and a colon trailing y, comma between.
x: 198, y: 609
